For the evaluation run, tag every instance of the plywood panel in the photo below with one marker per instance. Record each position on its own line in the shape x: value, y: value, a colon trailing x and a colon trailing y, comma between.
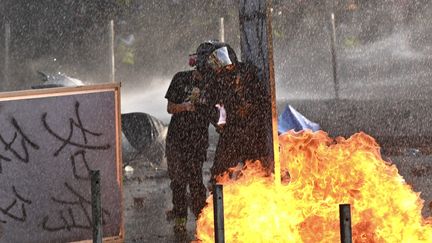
x: 49, y: 141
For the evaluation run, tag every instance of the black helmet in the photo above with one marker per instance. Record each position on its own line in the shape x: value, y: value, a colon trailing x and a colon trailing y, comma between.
x: 206, y: 49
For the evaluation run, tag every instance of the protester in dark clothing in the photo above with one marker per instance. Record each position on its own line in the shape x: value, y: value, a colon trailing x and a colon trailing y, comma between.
x: 244, y: 135
x: 238, y: 88
x: 219, y: 80
x: 187, y: 143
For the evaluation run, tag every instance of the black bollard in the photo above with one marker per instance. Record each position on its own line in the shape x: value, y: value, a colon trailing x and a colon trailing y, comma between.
x: 96, y: 206
x: 219, y: 229
x: 345, y: 223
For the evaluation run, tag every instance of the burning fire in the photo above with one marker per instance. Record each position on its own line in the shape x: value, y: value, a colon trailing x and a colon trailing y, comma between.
x: 323, y: 173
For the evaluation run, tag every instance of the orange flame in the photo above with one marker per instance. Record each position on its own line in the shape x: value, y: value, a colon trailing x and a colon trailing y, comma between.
x: 305, y: 208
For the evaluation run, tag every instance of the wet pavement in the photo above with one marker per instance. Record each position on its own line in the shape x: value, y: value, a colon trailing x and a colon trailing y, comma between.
x: 147, y: 197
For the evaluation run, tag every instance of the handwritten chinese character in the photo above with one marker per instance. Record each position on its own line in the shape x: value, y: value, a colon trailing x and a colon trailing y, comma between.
x: 68, y: 140
x: 9, y: 212
x: 19, y: 151
x: 68, y: 218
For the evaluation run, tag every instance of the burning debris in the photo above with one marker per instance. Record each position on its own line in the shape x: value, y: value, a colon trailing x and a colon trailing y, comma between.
x: 304, y: 208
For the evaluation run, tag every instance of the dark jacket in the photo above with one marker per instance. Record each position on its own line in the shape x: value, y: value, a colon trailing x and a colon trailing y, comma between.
x: 245, y: 100
x: 188, y: 131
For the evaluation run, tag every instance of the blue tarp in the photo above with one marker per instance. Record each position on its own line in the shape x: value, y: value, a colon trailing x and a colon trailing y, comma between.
x: 292, y: 119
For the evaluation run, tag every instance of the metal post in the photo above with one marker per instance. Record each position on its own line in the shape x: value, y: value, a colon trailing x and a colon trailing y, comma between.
x: 333, y: 53
x: 96, y: 206
x: 345, y: 223
x: 218, y: 214
x: 7, y: 50
x: 111, y: 51
x: 222, y: 30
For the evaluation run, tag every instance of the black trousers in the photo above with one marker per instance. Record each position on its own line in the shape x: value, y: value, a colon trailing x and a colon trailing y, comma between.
x: 235, y: 146
x: 228, y: 154
x: 185, y: 169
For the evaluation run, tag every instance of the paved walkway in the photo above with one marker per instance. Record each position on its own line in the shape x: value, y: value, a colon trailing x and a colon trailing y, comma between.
x: 147, y: 196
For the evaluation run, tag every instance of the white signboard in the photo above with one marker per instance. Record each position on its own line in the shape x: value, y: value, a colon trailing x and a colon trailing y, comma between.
x: 50, y: 139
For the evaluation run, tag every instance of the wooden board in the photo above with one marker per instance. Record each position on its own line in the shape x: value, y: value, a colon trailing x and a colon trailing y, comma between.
x: 49, y: 141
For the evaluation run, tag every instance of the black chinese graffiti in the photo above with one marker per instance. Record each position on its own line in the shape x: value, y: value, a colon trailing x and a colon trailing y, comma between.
x: 68, y: 217
x: 68, y: 140
x: 80, y: 157
x: 19, y: 151
x: 76, y: 142
x: 16, y: 209
x: 76, y: 215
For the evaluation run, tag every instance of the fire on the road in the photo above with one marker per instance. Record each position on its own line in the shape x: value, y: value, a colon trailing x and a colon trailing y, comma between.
x: 323, y: 174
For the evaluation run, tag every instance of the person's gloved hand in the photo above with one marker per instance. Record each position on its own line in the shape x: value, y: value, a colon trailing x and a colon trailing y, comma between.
x: 222, y: 118
x: 222, y: 114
